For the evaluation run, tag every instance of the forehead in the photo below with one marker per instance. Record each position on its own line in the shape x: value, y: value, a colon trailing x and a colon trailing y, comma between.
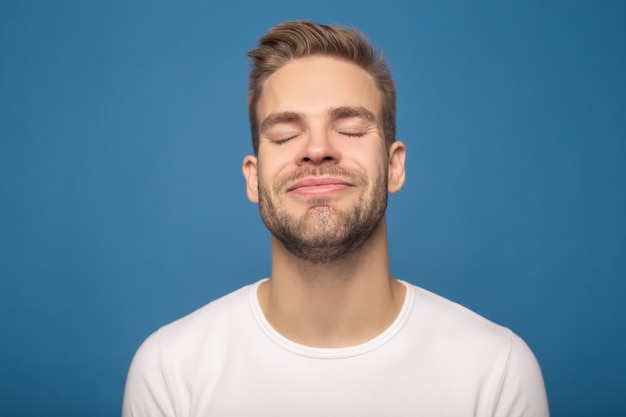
x: 314, y: 84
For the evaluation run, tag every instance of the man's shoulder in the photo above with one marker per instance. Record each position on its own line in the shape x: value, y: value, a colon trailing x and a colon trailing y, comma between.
x: 443, y: 318
x: 227, y: 306
x: 457, y: 345
x: 212, y: 320
x: 456, y: 334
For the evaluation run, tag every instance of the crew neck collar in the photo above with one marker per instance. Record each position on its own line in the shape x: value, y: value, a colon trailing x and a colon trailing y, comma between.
x: 330, y: 353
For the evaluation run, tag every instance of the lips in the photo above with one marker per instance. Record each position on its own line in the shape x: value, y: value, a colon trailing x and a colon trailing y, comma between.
x: 317, y: 186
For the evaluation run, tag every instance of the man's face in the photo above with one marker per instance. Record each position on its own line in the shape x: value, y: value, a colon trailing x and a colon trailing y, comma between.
x: 322, y: 165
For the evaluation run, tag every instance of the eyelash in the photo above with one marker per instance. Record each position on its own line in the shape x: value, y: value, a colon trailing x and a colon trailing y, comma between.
x: 282, y: 141
x: 352, y: 135
x: 348, y: 134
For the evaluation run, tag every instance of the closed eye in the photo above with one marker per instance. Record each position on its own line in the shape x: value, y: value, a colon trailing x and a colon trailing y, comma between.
x: 352, y: 134
x: 280, y: 141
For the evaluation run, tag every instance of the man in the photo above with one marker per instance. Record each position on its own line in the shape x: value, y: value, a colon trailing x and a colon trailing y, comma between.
x: 330, y: 333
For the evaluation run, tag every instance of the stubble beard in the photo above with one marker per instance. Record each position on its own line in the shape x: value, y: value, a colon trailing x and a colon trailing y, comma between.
x: 325, y: 234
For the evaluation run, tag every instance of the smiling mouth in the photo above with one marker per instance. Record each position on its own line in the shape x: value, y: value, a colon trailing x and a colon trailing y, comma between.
x: 319, y: 186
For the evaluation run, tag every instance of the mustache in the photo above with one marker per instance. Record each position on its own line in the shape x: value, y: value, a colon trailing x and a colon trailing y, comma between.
x: 325, y: 171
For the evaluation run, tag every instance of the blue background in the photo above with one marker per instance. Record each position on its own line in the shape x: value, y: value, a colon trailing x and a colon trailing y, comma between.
x: 122, y: 205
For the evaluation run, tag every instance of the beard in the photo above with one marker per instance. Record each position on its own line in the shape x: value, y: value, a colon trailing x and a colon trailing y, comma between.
x: 325, y: 234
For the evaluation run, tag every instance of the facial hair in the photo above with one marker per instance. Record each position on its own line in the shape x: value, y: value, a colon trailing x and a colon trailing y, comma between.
x: 325, y: 234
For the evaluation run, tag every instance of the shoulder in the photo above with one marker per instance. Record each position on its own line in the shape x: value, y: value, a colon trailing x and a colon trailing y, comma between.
x: 197, y: 333
x: 440, y: 319
x: 207, y: 328
x: 444, y: 317
x: 220, y: 312
x: 170, y: 357
x: 464, y: 340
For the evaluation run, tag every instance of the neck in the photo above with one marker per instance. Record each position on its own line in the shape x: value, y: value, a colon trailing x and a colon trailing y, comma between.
x: 336, y: 304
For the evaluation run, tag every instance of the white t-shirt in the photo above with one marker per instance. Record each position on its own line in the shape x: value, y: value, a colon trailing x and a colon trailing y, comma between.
x: 436, y: 359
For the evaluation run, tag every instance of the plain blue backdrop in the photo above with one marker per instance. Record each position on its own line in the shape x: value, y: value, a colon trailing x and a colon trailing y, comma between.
x: 122, y: 205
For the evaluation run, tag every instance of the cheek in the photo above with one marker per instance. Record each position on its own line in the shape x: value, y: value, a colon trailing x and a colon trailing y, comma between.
x: 272, y: 165
x: 268, y: 178
x: 372, y: 159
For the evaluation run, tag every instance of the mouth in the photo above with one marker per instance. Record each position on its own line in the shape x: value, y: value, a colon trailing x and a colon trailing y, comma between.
x: 319, y: 186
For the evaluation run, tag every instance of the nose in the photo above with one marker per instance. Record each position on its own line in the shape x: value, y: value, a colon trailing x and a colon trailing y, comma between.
x: 318, y: 148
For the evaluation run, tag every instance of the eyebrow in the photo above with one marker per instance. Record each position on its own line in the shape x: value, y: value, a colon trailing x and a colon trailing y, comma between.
x: 346, y: 112
x: 276, y: 118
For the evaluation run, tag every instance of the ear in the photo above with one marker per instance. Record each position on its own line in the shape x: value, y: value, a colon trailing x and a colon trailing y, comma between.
x: 397, y: 174
x: 251, y: 173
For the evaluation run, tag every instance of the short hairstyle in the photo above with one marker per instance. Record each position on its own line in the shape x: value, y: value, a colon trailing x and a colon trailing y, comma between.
x: 301, y: 38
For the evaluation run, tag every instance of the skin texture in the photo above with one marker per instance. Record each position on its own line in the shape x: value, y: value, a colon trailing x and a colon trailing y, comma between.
x: 321, y: 179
